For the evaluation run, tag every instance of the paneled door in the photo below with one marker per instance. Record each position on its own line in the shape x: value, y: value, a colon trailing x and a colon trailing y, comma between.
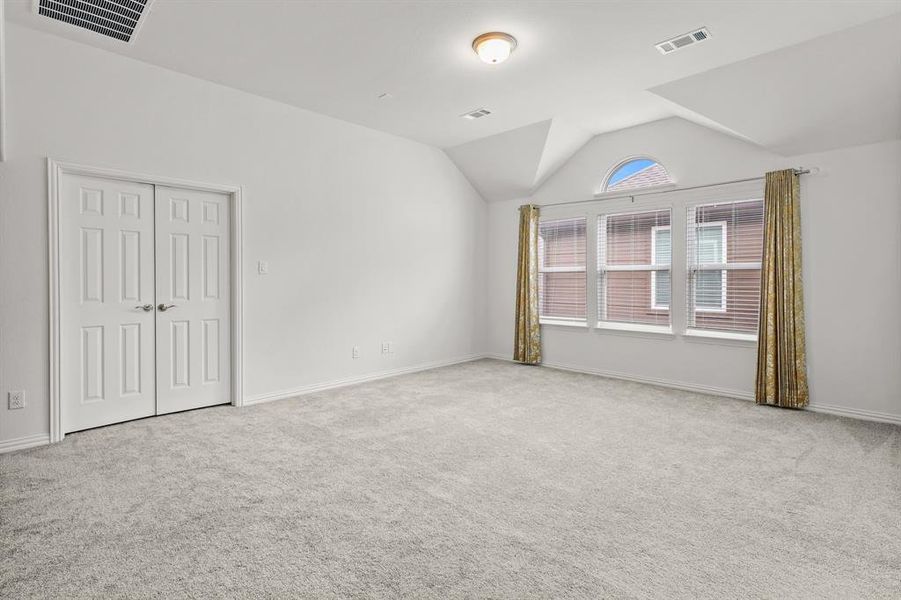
x: 144, y: 300
x: 107, y: 312
x: 192, y: 295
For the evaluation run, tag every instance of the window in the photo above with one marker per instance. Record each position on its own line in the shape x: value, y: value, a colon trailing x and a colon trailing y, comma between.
x: 561, y: 270
x: 636, y: 173
x: 710, y: 286
x: 634, y: 261
x: 661, y: 254
x: 724, y: 246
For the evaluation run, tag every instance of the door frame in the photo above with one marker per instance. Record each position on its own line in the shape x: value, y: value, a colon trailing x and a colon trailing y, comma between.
x: 55, y: 171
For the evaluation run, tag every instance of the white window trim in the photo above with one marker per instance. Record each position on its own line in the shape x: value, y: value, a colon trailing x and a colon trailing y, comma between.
x: 603, y: 192
x: 713, y: 334
x: 635, y: 327
x: 562, y: 322
x: 654, y: 229
x: 647, y: 190
x: 706, y: 267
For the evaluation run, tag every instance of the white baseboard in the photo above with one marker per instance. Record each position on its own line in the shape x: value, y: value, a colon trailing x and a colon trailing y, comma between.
x: 855, y: 413
x: 667, y: 383
x: 29, y: 441
x: 329, y: 385
x: 842, y: 411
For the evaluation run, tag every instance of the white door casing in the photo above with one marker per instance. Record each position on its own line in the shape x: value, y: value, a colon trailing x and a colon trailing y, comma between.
x: 64, y: 315
x: 192, y: 297
x: 106, y: 277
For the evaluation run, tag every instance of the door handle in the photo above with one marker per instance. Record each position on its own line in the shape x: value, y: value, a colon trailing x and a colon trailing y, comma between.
x: 145, y: 307
x: 164, y: 307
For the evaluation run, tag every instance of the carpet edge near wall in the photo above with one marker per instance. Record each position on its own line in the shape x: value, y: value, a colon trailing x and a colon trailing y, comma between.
x: 830, y: 409
x: 348, y: 381
x: 43, y: 439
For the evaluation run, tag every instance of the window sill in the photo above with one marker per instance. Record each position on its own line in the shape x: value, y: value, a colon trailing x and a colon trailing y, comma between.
x: 635, y: 328
x: 563, y: 322
x: 714, y: 337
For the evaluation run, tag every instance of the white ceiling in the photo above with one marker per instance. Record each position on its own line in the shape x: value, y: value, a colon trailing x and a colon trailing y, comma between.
x: 589, y: 62
x: 581, y: 67
x: 835, y: 91
x: 529, y: 154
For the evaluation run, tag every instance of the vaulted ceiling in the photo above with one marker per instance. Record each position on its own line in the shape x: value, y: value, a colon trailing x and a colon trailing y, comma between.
x: 834, y: 91
x: 581, y: 68
x: 837, y: 90
x: 513, y: 163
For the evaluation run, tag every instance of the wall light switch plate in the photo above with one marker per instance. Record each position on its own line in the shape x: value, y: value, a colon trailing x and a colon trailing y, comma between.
x: 263, y: 267
x: 355, y: 352
x: 386, y: 347
x: 16, y: 400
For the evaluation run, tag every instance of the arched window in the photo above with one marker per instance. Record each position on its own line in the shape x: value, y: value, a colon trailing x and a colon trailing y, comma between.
x: 636, y: 173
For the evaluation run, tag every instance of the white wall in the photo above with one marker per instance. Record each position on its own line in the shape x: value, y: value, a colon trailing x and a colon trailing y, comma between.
x: 369, y: 237
x: 851, y: 228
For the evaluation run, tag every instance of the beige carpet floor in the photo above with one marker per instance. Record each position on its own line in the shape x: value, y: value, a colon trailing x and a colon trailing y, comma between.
x: 481, y: 480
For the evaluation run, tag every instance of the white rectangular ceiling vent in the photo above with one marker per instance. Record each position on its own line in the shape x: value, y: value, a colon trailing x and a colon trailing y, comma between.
x: 681, y: 41
x: 117, y: 19
x: 476, y: 114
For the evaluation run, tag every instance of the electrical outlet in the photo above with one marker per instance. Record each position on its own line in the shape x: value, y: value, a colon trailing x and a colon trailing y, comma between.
x: 355, y: 352
x: 16, y: 400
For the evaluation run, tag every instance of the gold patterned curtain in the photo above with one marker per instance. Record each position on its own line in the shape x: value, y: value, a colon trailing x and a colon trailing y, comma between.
x: 527, y: 339
x: 781, y: 355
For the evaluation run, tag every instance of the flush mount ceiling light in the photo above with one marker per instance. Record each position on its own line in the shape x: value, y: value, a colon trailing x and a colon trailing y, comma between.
x: 494, y: 47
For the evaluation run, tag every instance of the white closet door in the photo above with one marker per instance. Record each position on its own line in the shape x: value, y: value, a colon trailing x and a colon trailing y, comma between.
x: 192, y: 294
x: 106, y: 302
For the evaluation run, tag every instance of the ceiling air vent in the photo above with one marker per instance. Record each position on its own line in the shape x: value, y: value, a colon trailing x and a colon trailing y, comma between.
x: 681, y: 41
x: 113, y: 18
x: 476, y: 114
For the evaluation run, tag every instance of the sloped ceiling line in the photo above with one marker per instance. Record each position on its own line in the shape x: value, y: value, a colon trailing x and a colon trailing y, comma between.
x: 514, y: 163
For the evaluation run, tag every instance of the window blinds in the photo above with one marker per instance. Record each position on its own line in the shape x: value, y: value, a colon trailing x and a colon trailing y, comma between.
x: 561, y: 269
x: 724, y: 243
x: 634, y: 262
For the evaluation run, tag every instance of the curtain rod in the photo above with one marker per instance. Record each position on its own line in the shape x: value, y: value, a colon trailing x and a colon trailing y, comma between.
x: 798, y: 171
